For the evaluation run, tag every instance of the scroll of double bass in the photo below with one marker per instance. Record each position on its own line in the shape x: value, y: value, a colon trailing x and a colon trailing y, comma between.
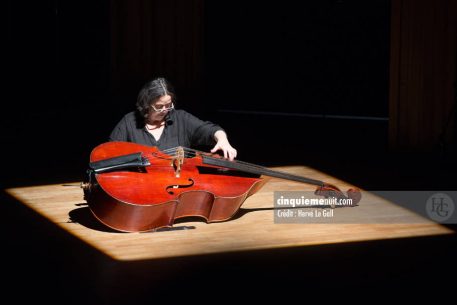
x: 137, y: 188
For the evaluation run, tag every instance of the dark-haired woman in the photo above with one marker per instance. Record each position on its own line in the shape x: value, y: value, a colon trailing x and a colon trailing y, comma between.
x: 156, y: 122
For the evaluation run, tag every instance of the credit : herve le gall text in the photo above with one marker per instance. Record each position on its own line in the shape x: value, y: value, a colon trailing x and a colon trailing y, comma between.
x: 302, y: 213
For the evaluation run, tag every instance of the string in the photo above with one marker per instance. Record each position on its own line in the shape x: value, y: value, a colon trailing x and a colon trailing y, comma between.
x: 171, y: 153
x: 239, y: 165
x: 189, y: 152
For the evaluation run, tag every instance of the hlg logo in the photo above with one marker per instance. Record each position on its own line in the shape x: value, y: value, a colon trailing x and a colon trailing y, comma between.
x: 439, y: 207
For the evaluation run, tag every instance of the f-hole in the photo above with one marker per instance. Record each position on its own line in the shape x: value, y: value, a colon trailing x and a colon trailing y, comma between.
x: 179, y: 186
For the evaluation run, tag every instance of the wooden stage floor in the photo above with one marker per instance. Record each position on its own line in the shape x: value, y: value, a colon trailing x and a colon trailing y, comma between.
x: 253, y: 228
x: 252, y: 231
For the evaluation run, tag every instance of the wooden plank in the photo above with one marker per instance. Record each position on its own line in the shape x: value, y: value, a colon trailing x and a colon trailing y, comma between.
x: 252, y: 229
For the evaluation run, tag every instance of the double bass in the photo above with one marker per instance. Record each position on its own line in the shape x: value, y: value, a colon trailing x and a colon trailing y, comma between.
x: 131, y: 187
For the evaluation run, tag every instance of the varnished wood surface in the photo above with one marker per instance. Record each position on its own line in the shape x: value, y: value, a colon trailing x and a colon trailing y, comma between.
x: 253, y: 228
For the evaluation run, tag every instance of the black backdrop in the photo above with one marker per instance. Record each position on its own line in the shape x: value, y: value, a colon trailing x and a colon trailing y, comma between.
x: 319, y: 59
x: 323, y: 57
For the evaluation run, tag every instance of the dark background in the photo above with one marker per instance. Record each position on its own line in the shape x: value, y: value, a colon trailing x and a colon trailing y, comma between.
x: 292, y: 84
x: 310, y: 82
x: 325, y: 58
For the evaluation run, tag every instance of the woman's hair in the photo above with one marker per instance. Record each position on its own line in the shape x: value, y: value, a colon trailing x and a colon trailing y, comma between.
x: 151, y: 91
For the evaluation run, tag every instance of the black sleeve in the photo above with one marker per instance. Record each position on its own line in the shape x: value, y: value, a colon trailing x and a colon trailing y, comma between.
x: 201, y: 132
x: 119, y: 133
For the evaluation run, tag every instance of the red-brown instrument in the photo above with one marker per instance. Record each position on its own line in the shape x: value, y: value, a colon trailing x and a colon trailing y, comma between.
x: 138, y: 188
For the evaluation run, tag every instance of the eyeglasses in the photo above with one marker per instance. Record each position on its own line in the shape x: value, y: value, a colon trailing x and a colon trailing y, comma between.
x: 163, y: 108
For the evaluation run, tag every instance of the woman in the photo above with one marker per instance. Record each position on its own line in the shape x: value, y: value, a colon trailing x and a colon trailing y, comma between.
x: 156, y: 122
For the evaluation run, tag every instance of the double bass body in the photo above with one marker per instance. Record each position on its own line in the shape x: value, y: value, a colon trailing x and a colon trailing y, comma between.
x: 140, y: 199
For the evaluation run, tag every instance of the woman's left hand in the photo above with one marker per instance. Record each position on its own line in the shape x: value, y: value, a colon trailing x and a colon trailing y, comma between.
x: 224, y: 145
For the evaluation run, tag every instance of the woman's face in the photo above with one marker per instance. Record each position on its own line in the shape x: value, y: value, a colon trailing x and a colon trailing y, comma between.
x: 160, y: 108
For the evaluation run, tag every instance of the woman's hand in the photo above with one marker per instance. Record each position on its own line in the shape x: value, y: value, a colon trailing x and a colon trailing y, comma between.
x: 224, y: 145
